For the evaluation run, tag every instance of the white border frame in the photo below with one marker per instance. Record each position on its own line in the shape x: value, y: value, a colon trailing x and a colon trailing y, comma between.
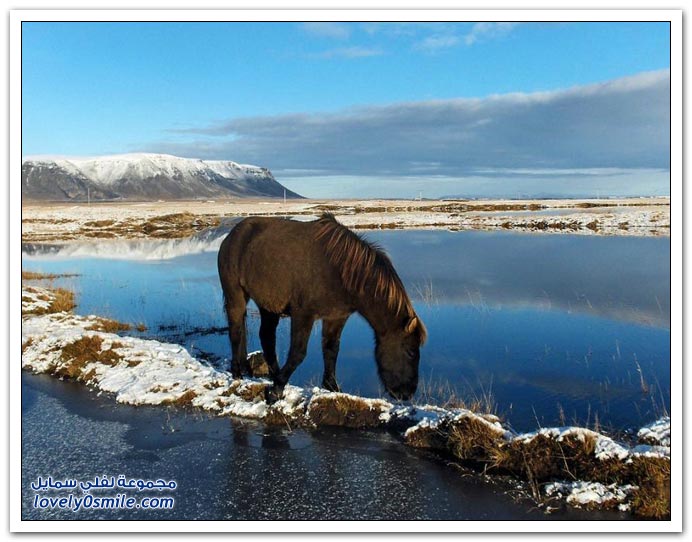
x: 676, y: 179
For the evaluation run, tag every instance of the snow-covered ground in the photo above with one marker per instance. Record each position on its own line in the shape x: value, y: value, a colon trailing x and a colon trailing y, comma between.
x: 61, y: 222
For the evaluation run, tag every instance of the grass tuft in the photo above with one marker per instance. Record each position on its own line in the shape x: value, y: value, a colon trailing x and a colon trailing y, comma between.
x: 183, y: 400
x: 33, y: 275
x: 26, y: 344
x: 59, y: 300
x: 75, y: 356
x: 345, y: 410
x: 108, y: 325
x: 257, y: 365
x: 63, y: 301
x: 544, y: 458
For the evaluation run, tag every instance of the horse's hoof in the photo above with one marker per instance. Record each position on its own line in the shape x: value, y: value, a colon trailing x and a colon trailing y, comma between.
x: 272, y: 394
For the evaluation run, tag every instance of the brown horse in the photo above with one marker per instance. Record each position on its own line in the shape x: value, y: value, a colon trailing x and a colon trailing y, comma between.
x: 311, y: 271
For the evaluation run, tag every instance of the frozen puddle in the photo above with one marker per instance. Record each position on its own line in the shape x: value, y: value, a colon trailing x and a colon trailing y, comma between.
x: 148, y: 372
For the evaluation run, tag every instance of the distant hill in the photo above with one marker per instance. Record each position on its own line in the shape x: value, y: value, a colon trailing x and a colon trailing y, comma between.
x: 145, y: 177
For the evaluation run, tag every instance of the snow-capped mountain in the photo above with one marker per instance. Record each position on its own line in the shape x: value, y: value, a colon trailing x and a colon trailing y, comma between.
x: 145, y: 177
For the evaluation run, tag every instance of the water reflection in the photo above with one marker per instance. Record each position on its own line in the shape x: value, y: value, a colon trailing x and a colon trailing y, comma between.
x: 625, y: 278
x: 554, y: 327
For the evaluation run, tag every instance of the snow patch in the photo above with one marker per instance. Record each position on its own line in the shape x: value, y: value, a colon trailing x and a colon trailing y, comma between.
x: 657, y: 433
x: 34, y: 299
x: 606, y: 448
x: 591, y: 494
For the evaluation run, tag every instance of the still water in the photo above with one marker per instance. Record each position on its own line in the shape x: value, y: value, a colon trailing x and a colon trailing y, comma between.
x: 553, y: 328
x: 232, y: 469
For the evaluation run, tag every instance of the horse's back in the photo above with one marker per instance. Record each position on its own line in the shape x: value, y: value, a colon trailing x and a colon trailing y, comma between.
x: 278, y: 264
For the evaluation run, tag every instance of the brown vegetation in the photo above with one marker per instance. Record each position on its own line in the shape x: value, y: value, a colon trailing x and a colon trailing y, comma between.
x: 184, y: 399
x: 170, y: 226
x: 32, y: 275
x: 26, y: 344
x: 59, y: 300
x: 108, y: 325
x: 545, y: 458
x: 99, y: 223
x: 76, y: 355
x: 257, y: 364
x: 346, y: 410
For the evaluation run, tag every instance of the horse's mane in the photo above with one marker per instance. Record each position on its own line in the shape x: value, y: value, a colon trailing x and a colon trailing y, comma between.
x: 362, y: 262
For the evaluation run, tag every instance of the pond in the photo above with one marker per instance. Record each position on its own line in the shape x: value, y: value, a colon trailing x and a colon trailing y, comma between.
x: 549, y: 329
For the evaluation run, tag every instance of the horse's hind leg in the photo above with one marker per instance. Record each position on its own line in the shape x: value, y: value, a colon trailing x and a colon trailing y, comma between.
x: 267, y: 334
x: 301, y: 326
x: 235, y: 312
x: 331, y: 337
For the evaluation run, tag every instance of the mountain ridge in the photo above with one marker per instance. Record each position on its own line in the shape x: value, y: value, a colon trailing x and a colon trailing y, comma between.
x: 145, y: 176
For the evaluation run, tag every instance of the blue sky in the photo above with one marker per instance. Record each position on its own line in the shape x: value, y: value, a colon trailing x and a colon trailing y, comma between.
x: 362, y: 109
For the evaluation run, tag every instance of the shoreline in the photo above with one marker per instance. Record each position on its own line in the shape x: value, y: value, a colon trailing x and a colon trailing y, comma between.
x: 578, y: 465
x: 64, y: 222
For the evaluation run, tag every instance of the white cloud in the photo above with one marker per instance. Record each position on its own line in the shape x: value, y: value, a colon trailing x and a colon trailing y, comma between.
x: 485, y: 31
x: 622, y: 123
x: 348, y: 52
x: 437, y: 42
x: 328, y: 30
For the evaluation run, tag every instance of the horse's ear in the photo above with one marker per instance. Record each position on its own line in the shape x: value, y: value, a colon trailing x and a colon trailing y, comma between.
x: 415, y: 325
x: 412, y: 324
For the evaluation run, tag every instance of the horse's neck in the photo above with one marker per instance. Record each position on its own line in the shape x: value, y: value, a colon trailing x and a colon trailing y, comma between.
x: 380, y: 317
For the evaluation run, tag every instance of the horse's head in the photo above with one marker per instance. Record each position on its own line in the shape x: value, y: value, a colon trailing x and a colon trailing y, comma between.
x: 397, y: 353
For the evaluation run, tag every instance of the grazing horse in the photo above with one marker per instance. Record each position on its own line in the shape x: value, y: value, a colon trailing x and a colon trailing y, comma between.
x: 310, y: 271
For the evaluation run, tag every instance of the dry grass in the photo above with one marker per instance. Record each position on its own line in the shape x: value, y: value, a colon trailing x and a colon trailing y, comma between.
x: 59, y: 300
x: 257, y: 365
x: 99, y: 223
x: 26, y: 344
x: 444, y: 394
x: 99, y: 234
x: 652, y: 498
x: 345, y: 411
x: 471, y: 439
x: 380, y: 226
x: 248, y: 391
x: 275, y: 416
x: 33, y: 275
x: 108, y: 325
x: 170, y: 226
x: 141, y: 327
x: 183, y: 400
x: 63, y: 301
x: 543, y: 458
x: 76, y: 355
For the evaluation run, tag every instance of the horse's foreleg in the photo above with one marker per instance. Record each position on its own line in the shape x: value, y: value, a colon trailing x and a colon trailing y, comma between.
x: 331, y: 338
x: 267, y: 335
x: 235, y: 311
x: 301, y: 326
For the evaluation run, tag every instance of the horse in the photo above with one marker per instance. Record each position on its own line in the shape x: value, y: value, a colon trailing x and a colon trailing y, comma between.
x: 318, y: 270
